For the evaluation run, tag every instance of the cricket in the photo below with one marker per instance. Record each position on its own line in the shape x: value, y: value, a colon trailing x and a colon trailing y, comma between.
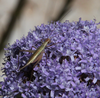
x: 37, y: 54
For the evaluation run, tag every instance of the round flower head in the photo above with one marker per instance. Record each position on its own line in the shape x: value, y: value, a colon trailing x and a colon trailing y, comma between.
x: 69, y: 68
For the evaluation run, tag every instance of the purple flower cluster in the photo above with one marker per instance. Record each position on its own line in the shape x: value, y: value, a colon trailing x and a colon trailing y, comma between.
x: 70, y: 68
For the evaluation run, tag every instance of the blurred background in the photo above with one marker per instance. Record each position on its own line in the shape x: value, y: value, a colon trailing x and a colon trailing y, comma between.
x: 18, y: 17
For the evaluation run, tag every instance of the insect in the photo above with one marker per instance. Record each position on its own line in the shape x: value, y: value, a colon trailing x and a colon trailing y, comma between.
x: 37, y: 54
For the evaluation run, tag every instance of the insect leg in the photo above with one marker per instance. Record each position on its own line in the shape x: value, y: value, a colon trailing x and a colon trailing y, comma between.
x: 31, y: 51
x: 34, y: 47
x: 33, y: 67
x: 37, y: 61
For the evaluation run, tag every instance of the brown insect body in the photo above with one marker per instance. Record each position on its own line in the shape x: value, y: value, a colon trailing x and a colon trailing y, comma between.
x: 37, y: 54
